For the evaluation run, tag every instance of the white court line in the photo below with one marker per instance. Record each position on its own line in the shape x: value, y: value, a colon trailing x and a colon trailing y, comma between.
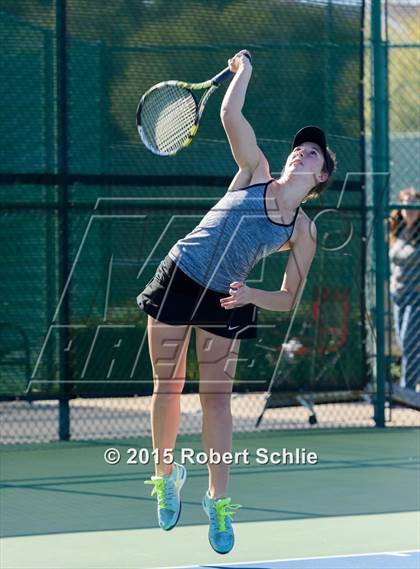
x: 239, y: 563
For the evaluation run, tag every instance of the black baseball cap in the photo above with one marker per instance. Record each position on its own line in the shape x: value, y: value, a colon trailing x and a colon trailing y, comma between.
x: 315, y: 134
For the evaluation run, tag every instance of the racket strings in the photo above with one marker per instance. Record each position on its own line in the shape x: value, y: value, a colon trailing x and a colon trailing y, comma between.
x: 167, y: 116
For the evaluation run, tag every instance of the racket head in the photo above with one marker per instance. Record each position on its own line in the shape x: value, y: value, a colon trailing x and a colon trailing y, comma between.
x: 167, y: 118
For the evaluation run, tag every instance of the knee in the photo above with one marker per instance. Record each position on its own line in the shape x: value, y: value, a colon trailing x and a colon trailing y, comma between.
x: 167, y: 385
x: 215, y: 403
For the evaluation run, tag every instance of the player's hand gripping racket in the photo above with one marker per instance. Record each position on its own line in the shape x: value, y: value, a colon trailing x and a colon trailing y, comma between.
x: 169, y: 113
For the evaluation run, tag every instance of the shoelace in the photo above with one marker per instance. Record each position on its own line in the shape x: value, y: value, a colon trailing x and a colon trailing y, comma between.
x: 224, y: 509
x: 162, y: 490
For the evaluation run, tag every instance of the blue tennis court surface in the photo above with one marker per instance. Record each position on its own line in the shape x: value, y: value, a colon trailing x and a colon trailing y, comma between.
x: 386, y: 560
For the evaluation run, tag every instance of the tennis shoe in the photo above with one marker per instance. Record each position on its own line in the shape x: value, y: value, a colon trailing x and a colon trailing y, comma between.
x: 220, y: 512
x: 168, y: 492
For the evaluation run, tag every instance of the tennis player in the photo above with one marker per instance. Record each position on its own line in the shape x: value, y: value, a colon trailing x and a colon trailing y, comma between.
x: 202, y: 283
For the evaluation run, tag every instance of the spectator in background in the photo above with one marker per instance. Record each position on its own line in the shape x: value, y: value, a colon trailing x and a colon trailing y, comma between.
x: 404, y: 254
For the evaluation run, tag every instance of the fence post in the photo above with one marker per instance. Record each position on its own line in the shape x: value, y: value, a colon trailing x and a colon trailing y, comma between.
x: 63, y: 248
x: 380, y: 168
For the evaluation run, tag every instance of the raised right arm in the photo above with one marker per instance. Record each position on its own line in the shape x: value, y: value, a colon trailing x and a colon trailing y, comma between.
x: 240, y: 134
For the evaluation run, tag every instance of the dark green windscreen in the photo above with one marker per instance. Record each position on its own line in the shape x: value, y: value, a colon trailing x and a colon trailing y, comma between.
x: 68, y: 107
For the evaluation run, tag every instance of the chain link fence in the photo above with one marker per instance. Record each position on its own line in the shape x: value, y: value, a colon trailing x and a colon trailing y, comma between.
x: 401, y: 42
x: 403, y: 338
x: 87, y: 213
x: 403, y: 39
x: 114, y: 252
x: 403, y: 362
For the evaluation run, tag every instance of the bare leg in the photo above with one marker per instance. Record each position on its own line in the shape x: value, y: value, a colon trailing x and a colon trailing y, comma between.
x: 168, y: 346
x: 217, y: 359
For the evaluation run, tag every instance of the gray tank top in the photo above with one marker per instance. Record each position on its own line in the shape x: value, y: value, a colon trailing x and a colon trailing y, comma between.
x: 231, y: 238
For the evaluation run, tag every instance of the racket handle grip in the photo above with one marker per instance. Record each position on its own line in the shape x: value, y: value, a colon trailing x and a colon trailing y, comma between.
x: 222, y: 76
x: 225, y: 74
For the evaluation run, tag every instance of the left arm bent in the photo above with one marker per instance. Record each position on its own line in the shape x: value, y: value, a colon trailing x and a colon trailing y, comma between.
x: 300, y: 260
x: 297, y: 269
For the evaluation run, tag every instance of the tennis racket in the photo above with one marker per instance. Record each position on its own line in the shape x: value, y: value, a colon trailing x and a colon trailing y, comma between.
x: 168, y: 113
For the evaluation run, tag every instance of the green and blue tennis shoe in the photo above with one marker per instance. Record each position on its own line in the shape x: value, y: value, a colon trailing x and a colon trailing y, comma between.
x: 168, y: 492
x: 220, y: 512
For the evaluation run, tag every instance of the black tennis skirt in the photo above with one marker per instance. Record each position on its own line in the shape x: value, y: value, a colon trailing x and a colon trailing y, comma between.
x: 173, y: 297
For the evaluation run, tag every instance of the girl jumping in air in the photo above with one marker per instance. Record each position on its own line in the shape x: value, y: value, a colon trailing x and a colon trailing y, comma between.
x: 202, y: 283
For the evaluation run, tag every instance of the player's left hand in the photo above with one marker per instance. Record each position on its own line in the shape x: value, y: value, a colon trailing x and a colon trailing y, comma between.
x: 240, y: 294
